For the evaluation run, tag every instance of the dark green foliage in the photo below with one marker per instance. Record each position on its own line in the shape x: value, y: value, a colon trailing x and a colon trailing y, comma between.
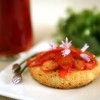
x: 81, y: 28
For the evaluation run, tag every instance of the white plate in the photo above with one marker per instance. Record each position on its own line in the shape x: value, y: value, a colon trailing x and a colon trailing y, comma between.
x: 30, y: 89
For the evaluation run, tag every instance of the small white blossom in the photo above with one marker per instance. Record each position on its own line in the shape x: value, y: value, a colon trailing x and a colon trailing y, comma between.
x: 84, y: 47
x: 85, y: 57
x: 66, y: 52
x: 65, y: 44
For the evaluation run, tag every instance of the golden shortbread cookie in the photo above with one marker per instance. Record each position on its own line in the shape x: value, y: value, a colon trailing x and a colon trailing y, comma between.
x: 74, y: 79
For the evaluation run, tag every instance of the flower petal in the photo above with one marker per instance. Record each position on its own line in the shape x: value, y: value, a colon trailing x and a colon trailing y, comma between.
x: 66, y: 44
x: 66, y: 52
x: 85, y: 57
x: 84, y: 47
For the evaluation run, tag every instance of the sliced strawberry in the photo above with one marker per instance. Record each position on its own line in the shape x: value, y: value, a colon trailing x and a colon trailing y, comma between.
x: 92, y: 63
x: 75, y: 52
x: 62, y: 73
x: 89, y: 66
x: 93, y: 59
x: 49, y: 65
x: 65, y: 62
x: 42, y: 57
x: 79, y: 64
x: 35, y: 60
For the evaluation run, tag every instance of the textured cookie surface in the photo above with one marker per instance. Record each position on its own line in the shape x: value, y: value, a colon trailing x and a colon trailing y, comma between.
x: 73, y: 80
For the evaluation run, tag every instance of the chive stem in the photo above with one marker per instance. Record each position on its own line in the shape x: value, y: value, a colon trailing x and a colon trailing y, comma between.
x: 17, y: 78
x: 22, y: 70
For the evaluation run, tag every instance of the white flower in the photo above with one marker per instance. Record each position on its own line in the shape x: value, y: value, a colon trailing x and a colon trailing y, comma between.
x: 66, y: 52
x: 85, y: 57
x: 84, y: 47
x: 65, y: 44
